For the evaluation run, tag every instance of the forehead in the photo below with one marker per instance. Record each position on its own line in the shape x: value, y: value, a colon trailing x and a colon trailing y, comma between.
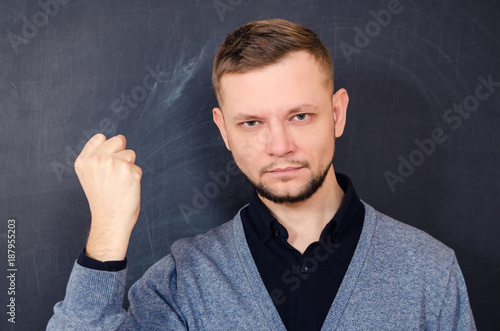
x: 297, y: 79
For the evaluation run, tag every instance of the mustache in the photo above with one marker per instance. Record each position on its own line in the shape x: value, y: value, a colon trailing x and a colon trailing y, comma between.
x: 283, y: 164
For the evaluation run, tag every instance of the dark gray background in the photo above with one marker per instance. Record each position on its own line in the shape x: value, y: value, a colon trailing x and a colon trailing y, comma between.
x: 60, y: 81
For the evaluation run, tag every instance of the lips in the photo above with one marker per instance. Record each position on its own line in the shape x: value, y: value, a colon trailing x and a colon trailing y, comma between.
x: 285, y: 171
x: 285, y: 168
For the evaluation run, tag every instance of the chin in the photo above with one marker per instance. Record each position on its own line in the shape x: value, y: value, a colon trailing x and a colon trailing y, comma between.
x: 296, y: 194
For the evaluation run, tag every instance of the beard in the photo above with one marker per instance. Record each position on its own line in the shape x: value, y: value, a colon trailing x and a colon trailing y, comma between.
x: 314, y: 183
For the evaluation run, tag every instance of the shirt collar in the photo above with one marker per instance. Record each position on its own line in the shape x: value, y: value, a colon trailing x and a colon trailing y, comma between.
x: 265, y: 222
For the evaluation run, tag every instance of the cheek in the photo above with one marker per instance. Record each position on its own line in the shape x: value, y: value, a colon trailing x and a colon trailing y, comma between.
x: 318, y: 144
x: 246, y: 153
x: 316, y: 137
x: 247, y: 144
x: 242, y: 145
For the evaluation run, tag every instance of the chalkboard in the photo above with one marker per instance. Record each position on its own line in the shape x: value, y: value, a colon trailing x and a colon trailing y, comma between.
x: 421, y: 142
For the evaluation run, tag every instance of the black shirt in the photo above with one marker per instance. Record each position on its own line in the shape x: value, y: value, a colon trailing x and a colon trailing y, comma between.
x: 303, y: 286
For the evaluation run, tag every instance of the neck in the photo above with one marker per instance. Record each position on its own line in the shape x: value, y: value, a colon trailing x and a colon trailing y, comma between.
x: 305, y: 220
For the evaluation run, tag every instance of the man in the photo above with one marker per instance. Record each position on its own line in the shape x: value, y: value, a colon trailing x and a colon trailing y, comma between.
x: 305, y: 254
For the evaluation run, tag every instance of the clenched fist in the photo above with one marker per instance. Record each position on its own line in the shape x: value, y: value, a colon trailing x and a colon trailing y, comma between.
x: 111, y: 182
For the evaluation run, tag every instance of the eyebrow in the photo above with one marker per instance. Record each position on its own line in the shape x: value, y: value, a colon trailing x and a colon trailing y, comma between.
x: 243, y: 117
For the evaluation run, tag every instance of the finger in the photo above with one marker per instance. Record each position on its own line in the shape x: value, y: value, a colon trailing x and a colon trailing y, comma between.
x: 127, y: 155
x: 93, y: 143
x: 138, y: 171
x: 113, y: 145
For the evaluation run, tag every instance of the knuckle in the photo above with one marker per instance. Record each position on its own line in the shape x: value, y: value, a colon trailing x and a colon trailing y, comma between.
x: 132, y: 154
x: 98, y: 136
x: 94, y: 159
x: 78, y: 162
x: 120, y: 139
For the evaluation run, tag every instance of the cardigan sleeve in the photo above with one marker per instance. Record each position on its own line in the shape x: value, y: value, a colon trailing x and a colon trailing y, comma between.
x: 456, y: 313
x: 94, y: 300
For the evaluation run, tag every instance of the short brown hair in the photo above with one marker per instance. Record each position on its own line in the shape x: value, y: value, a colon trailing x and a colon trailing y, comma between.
x: 262, y: 43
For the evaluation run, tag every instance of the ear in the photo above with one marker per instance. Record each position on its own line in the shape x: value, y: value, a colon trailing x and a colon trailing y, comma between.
x: 339, y: 103
x: 219, y: 120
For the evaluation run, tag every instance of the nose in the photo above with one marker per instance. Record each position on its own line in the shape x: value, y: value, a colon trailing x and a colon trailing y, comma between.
x: 279, y: 140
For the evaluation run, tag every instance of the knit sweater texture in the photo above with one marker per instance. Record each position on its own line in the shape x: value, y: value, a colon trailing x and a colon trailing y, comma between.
x: 400, y: 278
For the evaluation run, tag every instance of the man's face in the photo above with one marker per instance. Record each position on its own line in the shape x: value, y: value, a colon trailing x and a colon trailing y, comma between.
x: 280, y: 123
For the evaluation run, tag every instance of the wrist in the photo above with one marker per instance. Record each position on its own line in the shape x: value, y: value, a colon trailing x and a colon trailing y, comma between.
x: 106, y: 248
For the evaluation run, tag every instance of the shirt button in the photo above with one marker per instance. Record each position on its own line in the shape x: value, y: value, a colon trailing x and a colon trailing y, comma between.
x: 304, y: 269
x: 276, y: 232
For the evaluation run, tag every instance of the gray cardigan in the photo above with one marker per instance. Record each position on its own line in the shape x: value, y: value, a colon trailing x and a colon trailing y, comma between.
x: 399, y: 278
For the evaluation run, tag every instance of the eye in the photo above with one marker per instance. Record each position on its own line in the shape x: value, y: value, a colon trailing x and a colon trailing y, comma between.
x: 301, y: 117
x: 250, y: 124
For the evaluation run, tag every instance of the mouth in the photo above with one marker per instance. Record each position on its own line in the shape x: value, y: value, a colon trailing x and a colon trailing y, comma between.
x: 284, y: 169
x: 287, y: 171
